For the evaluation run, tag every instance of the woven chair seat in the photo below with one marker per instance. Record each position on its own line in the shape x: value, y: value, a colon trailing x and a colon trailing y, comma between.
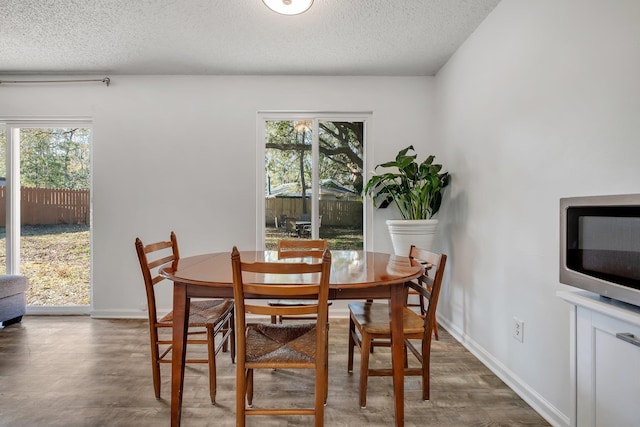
x: 374, y: 318
x: 275, y: 344
x: 204, y: 312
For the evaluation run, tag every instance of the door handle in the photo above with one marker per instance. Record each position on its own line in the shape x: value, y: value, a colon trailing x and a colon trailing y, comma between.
x: 628, y: 337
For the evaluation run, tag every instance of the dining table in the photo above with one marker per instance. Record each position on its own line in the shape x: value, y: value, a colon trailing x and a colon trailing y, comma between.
x: 355, y: 275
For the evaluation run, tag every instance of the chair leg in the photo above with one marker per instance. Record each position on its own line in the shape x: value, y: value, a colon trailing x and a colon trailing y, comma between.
x: 225, y: 343
x: 232, y: 337
x: 155, y: 366
x: 319, y: 404
x: 364, y: 368
x: 212, y: 365
x: 406, y: 357
x: 352, y: 344
x: 273, y: 319
x: 228, y: 330
x: 250, y: 387
x: 423, y: 311
x: 326, y: 387
x: 426, y: 371
x: 326, y: 368
x: 241, y: 388
x: 370, y: 301
x: 155, y: 362
x: 321, y: 392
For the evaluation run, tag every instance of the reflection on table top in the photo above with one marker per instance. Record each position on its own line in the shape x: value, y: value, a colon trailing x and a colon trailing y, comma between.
x: 348, y: 268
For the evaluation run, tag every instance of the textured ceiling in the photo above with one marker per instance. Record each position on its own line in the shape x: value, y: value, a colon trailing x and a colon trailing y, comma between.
x: 335, y: 37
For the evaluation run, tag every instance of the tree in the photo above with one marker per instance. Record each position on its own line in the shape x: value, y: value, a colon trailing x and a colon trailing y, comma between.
x: 55, y: 158
x: 341, y: 152
x: 342, y: 143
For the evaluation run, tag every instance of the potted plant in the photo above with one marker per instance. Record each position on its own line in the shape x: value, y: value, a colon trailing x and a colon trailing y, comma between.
x: 416, y: 189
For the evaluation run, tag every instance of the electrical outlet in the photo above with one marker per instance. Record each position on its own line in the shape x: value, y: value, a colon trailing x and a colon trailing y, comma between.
x: 518, y: 329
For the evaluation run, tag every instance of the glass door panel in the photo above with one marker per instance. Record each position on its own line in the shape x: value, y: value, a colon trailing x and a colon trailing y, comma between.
x: 288, y: 179
x: 340, y: 219
x: 54, y: 215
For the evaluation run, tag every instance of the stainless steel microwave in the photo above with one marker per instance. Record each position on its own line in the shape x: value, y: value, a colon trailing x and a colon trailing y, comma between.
x: 600, y: 245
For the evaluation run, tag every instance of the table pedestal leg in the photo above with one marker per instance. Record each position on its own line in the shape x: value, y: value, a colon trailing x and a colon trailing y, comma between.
x: 180, y: 327
x: 397, y: 350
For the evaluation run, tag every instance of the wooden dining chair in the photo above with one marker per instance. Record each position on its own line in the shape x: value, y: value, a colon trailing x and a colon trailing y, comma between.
x: 369, y: 327
x: 213, y: 318
x: 417, y: 254
x: 292, y: 248
x: 274, y: 346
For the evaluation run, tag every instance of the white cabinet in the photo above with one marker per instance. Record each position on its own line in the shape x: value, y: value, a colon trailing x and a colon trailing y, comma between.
x: 605, y: 361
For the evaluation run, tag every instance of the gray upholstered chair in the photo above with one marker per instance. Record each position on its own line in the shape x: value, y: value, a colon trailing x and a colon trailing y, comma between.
x: 13, y: 298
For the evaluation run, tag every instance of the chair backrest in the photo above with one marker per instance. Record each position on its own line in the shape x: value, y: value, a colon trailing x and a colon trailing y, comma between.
x: 153, y: 257
x: 428, y: 285
x: 291, y: 248
x: 305, y: 217
x: 280, y: 279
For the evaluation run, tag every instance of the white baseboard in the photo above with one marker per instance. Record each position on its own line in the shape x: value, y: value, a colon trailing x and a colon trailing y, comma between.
x: 60, y: 310
x: 120, y: 314
x: 522, y: 389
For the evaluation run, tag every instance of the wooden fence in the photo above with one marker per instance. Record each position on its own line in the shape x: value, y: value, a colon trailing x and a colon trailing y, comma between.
x: 49, y: 206
x: 334, y: 212
x: 57, y: 206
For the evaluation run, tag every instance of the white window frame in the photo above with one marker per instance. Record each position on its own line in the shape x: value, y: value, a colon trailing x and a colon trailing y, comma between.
x: 315, y: 117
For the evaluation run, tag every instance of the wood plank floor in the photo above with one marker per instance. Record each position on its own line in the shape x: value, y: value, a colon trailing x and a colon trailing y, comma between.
x: 77, y: 371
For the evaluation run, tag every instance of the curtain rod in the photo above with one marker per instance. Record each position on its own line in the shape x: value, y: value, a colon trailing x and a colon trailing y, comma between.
x: 106, y: 81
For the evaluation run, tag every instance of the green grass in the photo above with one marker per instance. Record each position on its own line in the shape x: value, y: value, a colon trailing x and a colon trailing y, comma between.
x: 57, y: 261
x: 338, y: 238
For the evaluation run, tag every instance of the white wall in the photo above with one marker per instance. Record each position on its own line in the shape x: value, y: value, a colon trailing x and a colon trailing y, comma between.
x: 541, y: 102
x: 179, y: 153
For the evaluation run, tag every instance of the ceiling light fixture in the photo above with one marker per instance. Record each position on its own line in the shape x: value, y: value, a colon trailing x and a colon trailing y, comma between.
x: 288, y: 7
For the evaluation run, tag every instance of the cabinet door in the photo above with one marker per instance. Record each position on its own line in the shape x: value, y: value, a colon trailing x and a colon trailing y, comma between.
x: 609, y: 383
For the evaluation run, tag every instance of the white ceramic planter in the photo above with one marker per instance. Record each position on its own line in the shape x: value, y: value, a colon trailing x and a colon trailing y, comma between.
x: 405, y: 232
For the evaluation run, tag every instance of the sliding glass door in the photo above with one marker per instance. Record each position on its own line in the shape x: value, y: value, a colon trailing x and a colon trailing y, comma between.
x: 313, y: 180
x: 46, y: 201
